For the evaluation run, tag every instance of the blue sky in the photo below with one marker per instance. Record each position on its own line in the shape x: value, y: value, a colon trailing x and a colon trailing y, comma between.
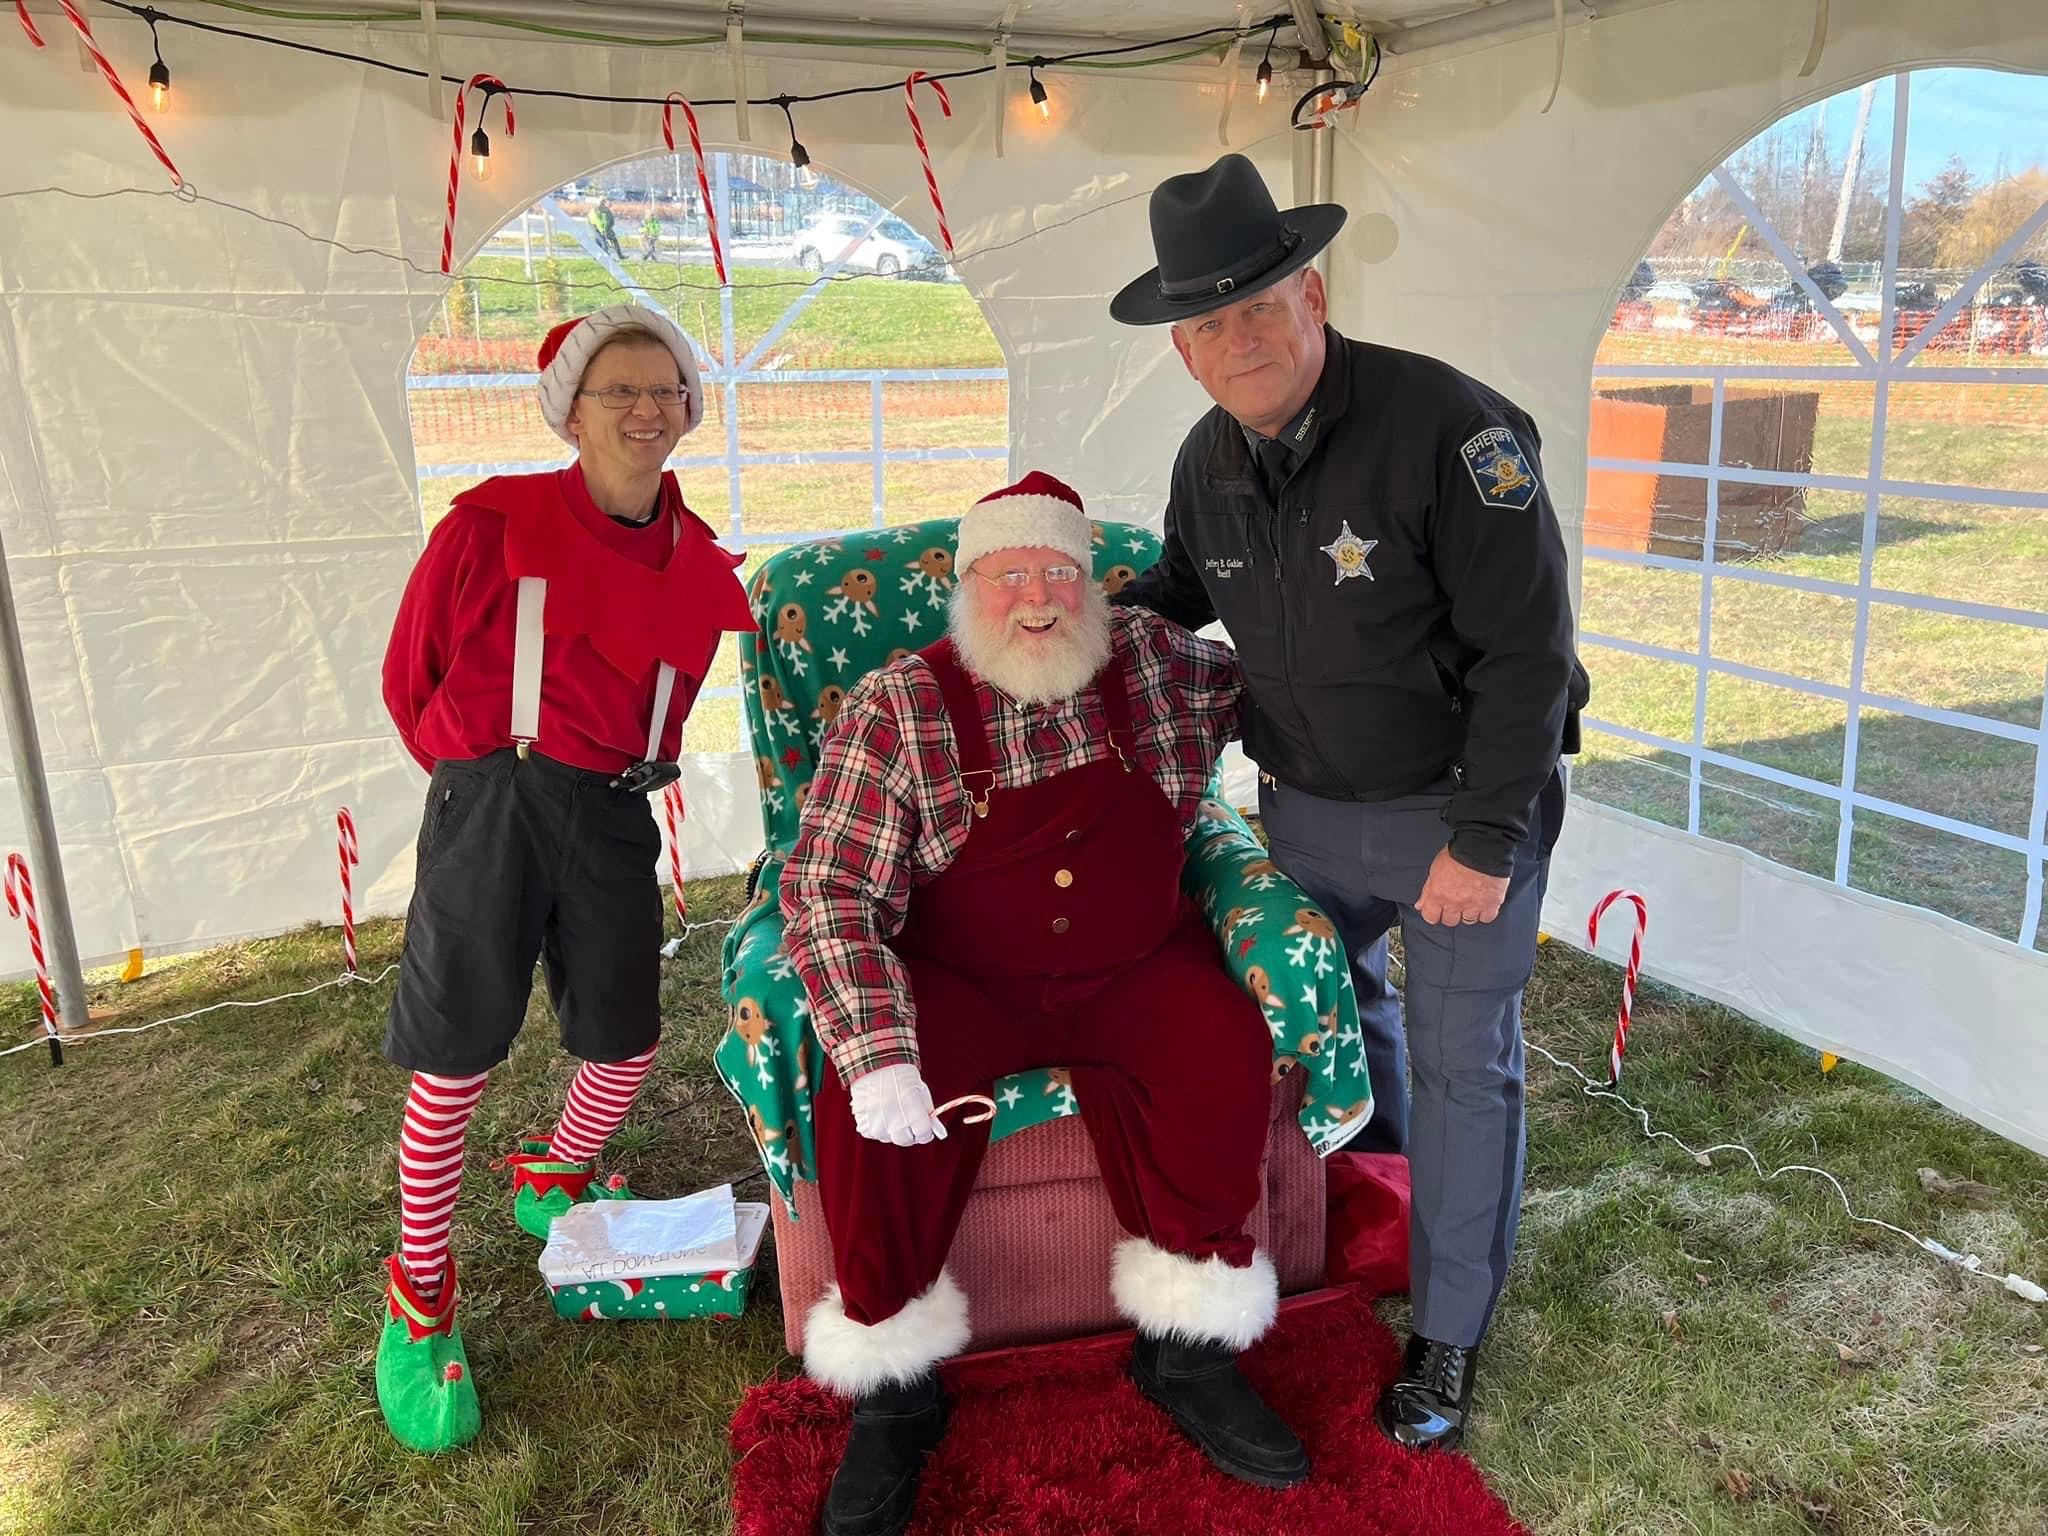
x: 1981, y: 114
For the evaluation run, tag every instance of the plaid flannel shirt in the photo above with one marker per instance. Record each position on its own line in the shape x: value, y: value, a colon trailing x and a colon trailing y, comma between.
x: 888, y: 812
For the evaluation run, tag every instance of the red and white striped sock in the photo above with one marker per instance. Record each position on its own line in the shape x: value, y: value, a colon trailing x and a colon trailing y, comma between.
x: 599, y: 1098
x: 437, y: 1115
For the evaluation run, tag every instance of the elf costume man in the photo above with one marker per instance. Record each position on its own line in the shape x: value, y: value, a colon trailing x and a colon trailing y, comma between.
x: 987, y: 880
x: 547, y: 651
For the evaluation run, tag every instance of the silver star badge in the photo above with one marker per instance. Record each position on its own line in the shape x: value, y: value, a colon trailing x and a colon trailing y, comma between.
x: 1347, y: 552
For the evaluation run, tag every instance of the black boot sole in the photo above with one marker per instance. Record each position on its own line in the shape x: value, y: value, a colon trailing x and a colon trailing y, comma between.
x: 1257, y: 1476
x: 827, y: 1528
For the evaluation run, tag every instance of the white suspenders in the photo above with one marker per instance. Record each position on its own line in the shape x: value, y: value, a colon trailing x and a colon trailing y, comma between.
x: 528, y: 638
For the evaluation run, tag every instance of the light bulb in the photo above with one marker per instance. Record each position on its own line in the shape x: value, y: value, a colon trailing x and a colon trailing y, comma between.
x: 806, y: 177
x: 1265, y: 77
x: 159, y: 84
x: 480, y: 155
x: 1038, y: 97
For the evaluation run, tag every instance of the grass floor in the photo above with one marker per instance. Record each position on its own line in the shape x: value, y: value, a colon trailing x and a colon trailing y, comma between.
x: 189, y: 1286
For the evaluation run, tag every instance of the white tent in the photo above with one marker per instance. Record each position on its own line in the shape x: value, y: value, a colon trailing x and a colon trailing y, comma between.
x: 207, y: 487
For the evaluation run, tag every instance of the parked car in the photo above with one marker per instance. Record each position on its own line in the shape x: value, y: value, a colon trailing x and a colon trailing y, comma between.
x: 2024, y: 283
x: 892, y: 247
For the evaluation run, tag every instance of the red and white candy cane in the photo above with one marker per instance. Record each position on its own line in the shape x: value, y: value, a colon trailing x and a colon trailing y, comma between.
x: 28, y: 26
x: 668, y: 134
x: 1628, y: 977
x: 672, y: 803
x: 917, y: 132
x: 491, y: 86
x: 84, y: 30
x: 351, y: 855
x: 21, y: 903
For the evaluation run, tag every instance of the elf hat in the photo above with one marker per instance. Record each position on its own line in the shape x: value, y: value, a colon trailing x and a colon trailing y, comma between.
x: 1038, y: 512
x: 570, y: 346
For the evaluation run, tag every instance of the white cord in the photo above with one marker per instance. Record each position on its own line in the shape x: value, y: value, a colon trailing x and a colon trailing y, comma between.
x: 343, y: 980
x: 1968, y: 1263
x: 674, y: 945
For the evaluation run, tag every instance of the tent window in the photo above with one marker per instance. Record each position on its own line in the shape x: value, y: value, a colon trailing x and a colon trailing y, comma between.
x: 852, y: 382
x: 1816, y: 532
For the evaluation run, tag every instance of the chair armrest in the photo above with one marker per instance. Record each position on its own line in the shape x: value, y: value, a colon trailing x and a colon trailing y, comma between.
x: 1286, y: 954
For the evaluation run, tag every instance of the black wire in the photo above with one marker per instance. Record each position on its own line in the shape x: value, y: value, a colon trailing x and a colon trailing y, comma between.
x: 146, y: 13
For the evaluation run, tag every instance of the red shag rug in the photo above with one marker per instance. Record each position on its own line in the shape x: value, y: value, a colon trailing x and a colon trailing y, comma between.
x: 1055, y: 1441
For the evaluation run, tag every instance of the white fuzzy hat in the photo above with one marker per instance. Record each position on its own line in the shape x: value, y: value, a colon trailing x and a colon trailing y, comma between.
x: 570, y: 346
x: 1038, y: 512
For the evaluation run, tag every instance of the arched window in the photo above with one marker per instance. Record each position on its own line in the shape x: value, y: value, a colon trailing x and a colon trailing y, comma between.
x: 852, y: 380
x: 1816, y: 536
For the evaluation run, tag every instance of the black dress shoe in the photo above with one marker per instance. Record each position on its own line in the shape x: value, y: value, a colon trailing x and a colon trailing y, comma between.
x: 1426, y: 1407
x: 894, y: 1429
x: 1202, y: 1388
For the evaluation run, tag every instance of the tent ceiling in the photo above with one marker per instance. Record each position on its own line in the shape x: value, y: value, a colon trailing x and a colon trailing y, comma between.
x: 1129, y: 19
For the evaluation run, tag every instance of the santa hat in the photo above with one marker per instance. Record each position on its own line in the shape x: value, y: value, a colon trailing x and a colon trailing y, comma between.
x: 1038, y: 512
x: 570, y: 346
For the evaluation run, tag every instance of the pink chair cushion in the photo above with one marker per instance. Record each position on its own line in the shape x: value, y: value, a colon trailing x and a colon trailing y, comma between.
x: 1033, y: 1250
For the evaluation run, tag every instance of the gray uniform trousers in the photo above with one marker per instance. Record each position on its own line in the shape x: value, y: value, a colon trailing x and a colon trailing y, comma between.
x: 1364, y: 864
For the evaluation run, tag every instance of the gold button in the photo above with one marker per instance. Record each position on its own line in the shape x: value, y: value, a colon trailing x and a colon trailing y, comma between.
x: 1063, y: 878
x: 1059, y: 925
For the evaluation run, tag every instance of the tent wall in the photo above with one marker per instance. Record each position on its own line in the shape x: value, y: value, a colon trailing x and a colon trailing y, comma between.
x: 1516, y: 233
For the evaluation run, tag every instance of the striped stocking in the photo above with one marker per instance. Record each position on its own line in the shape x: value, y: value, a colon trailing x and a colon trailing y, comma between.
x: 437, y: 1114
x: 599, y: 1098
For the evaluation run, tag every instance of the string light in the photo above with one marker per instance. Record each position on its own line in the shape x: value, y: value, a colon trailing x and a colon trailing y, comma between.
x: 806, y: 176
x: 159, y: 72
x: 480, y: 154
x: 1266, y: 63
x: 1038, y: 92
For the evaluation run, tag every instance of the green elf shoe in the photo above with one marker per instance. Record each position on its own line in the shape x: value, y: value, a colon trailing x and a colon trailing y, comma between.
x: 544, y: 1186
x: 424, y: 1383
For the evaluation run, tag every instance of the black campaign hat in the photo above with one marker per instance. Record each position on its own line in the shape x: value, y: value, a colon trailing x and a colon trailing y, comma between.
x: 1219, y: 238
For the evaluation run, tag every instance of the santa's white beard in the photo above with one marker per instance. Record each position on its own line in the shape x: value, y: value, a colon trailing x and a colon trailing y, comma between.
x: 1031, y: 669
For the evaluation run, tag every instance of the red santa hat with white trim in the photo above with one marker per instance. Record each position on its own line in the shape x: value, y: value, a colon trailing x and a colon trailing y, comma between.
x: 1038, y: 512
x: 568, y: 348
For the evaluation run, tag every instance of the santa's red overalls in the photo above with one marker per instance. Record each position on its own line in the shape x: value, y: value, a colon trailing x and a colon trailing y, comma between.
x: 1060, y: 937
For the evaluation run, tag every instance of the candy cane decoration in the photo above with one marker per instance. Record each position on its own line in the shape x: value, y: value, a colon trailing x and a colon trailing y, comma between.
x: 28, y: 26
x: 668, y: 134
x: 21, y: 903
x: 345, y: 827
x: 84, y: 30
x: 1628, y: 977
x: 491, y: 86
x: 672, y: 803
x: 917, y: 132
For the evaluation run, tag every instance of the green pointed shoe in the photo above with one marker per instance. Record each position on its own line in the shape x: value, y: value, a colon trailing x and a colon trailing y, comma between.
x: 544, y: 1186
x: 424, y: 1384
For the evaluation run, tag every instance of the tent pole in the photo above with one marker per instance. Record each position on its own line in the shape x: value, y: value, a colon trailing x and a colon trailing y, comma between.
x: 46, y: 865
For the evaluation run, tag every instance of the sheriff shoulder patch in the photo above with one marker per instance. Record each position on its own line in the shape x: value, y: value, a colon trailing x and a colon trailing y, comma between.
x: 1500, y: 471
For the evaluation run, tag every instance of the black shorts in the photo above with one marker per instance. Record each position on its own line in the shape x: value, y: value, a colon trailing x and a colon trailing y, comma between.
x: 518, y: 860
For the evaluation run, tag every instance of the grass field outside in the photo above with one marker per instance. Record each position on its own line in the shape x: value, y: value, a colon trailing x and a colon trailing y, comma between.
x: 190, y: 1285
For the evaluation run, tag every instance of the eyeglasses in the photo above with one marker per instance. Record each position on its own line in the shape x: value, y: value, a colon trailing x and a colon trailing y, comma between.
x: 1015, y: 580
x: 623, y: 397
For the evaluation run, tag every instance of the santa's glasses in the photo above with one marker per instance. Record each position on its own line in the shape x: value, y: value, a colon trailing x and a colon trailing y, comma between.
x: 1017, y: 580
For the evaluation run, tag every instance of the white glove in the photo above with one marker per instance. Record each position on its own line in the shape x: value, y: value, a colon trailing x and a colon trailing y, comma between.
x: 893, y: 1104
